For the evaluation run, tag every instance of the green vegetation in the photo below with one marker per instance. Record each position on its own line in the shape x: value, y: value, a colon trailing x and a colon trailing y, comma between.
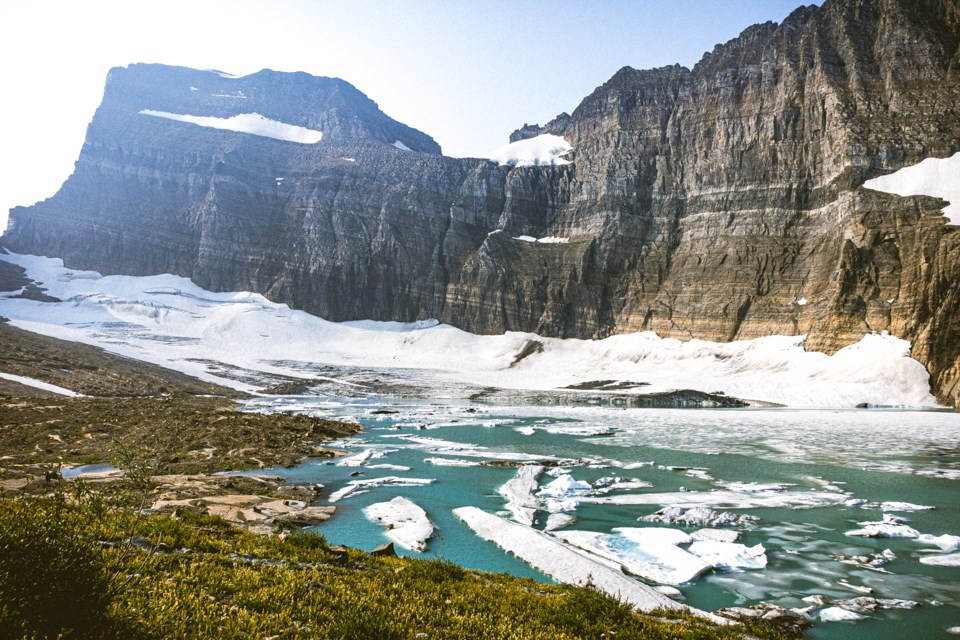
x: 75, y: 569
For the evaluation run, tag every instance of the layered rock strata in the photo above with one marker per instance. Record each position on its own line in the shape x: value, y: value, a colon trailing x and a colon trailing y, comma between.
x: 722, y: 202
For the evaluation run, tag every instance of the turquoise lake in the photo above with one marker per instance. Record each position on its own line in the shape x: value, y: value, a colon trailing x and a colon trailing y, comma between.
x: 857, y: 459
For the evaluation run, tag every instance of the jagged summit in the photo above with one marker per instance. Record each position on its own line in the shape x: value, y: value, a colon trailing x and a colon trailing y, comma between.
x: 329, y: 105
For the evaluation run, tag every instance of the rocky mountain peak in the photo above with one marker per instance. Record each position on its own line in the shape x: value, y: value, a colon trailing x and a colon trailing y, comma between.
x: 329, y: 105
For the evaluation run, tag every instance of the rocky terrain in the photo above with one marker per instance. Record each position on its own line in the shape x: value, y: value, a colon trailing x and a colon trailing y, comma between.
x: 719, y: 202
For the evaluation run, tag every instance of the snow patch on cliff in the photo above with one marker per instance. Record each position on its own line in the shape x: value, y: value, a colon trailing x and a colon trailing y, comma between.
x: 937, y: 177
x: 543, y: 150
x: 252, y: 123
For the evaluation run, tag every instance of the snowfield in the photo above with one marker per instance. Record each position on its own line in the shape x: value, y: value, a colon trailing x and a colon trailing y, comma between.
x: 252, y: 123
x: 543, y: 150
x: 937, y: 177
x: 170, y: 321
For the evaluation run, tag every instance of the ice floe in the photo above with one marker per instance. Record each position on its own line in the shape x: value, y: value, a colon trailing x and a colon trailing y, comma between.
x: 561, y: 562
x: 700, y: 517
x: 904, y: 506
x: 355, y: 487
x: 889, y: 527
x: 944, y: 560
x: 652, y: 554
x: 252, y: 123
x: 716, y: 535
x: 872, y: 561
x: 726, y: 499
x: 545, y: 149
x: 451, y: 462
x: 519, y: 492
x: 407, y: 524
x: 729, y: 556
x: 838, y: 614
x: 946, y: 542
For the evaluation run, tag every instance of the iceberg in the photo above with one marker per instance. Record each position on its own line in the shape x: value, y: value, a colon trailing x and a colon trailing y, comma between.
x: 356, y: 487
x: 563, y: 563
x: 889, y: 527
x: 519, y: 493
x: 650, y: 553
x: 730, y: 556
x: 407, y: 523
x: 947, y: 560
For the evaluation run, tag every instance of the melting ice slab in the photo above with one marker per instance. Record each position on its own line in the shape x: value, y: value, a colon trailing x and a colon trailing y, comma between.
x: 561, y: 562
x: 652, y: 553
x: 407, y: 523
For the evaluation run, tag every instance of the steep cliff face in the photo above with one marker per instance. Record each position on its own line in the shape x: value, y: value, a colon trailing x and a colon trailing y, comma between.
x: 721, y: 202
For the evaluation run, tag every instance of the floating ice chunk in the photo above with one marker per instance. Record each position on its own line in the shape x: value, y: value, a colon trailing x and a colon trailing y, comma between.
x: 650, y: 553
x: 389, y: 467
x: 904, y: 506
x: 407, y: 524
x: 564, y: 486
x: 728, y: 499
x: 561, y: 562
x: 519, y: 492
x: 867, y: 604
x: 252, y: 123
x: 697, y: 472
x: 452, y: 462
x: 837, y: 614
x: 638, y: 465
x: 754, y: 487
x: 607, y: 484
x: 554, y: 505
x: 559, y: 521
x: 872, y: 561
x: 699, y: 517
x: 355, y: 487
x: 356, y: 460
x: 945, y: 542
x: 947, y: 560
x: 730, y: 556
x: 717, y: 535
x: 545, y: 149
x: 889, y: 527
x: 937, y: 177
x: 527, y: 431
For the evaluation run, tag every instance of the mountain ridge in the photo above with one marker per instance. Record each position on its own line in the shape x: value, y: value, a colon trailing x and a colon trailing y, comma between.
x: 700, y: 203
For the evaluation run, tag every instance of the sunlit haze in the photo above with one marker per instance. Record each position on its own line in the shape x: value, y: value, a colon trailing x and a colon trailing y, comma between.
x: 466, y: 73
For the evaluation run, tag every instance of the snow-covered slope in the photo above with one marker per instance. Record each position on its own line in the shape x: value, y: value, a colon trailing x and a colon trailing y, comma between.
x: 170, y: 321
x: 545, y: 149
x: 252, y: 123
x: 937, y: 177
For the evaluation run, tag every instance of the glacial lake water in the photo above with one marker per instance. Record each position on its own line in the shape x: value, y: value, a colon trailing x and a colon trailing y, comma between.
x: 838, y: 458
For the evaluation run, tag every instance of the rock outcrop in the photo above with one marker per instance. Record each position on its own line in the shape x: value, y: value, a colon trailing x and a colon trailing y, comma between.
x: 721, y: 202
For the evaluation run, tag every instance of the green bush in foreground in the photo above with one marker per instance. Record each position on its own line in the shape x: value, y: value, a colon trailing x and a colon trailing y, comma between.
x: 53, y: 582
x: 65, y: 572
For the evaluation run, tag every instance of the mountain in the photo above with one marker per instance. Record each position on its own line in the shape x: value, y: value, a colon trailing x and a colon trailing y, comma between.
x: 722, y: 202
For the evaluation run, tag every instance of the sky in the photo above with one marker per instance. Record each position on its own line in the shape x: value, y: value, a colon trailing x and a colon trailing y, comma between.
x: 465, y: 72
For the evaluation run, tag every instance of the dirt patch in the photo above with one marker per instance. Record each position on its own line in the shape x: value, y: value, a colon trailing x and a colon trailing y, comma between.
x: 90, y: 370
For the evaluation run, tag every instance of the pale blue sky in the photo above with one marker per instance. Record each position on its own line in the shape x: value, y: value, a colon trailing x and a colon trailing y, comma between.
x: 467, y: 73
